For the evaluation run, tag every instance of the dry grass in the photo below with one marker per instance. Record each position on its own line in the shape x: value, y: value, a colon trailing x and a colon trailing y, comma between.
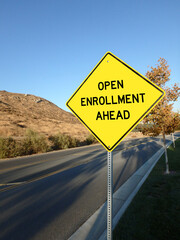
x: 19, y: 112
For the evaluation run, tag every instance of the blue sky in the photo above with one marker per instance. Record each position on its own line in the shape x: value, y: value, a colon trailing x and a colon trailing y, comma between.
x: 48, y: 47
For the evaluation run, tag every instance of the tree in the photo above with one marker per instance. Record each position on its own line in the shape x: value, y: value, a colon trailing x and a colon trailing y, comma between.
x: 159, y: 120
x: 174, y: 124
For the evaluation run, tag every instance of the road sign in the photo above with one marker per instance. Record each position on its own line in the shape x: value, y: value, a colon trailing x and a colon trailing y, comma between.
x: 113, y: 99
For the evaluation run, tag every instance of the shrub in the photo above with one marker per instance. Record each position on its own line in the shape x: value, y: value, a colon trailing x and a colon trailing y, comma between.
x: 9, y: 147
x: 90, y: 140
x: 33, y: 143
x: 36, y: 143
x: 61, y: 141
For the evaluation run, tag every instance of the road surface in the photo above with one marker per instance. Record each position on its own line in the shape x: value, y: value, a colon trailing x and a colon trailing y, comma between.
x: 49, y: 196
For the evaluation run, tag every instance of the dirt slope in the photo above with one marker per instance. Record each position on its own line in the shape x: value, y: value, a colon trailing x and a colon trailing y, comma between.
x: 18, y: 112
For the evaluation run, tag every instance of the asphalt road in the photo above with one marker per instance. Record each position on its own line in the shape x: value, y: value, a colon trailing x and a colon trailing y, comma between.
x: 49, y: 196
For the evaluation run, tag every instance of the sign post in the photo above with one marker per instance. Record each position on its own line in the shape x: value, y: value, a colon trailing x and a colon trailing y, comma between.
x: 109, y: 194
x: 110, y: 102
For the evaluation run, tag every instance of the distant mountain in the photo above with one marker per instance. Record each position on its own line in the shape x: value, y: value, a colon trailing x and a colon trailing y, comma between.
x: 19, y: 112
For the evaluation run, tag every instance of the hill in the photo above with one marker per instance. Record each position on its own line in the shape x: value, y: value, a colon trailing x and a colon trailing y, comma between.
x: 19, y: 112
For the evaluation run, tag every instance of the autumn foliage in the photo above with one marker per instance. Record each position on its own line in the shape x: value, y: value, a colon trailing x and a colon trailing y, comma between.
x: 162, y: 119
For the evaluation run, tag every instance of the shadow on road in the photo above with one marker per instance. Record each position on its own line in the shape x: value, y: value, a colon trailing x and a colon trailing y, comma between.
x: 27, y: 211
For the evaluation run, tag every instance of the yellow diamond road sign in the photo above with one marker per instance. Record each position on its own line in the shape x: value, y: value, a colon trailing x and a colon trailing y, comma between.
x: 113, y: 99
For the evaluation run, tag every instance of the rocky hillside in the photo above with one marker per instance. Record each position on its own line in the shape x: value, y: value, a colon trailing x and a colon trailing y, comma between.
x: 19, y: 112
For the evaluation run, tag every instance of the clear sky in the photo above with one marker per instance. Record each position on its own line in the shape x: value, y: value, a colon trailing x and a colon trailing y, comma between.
x: 48, y: 47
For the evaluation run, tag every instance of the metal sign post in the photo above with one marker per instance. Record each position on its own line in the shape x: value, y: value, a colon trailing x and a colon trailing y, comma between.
x: 109, y: 194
